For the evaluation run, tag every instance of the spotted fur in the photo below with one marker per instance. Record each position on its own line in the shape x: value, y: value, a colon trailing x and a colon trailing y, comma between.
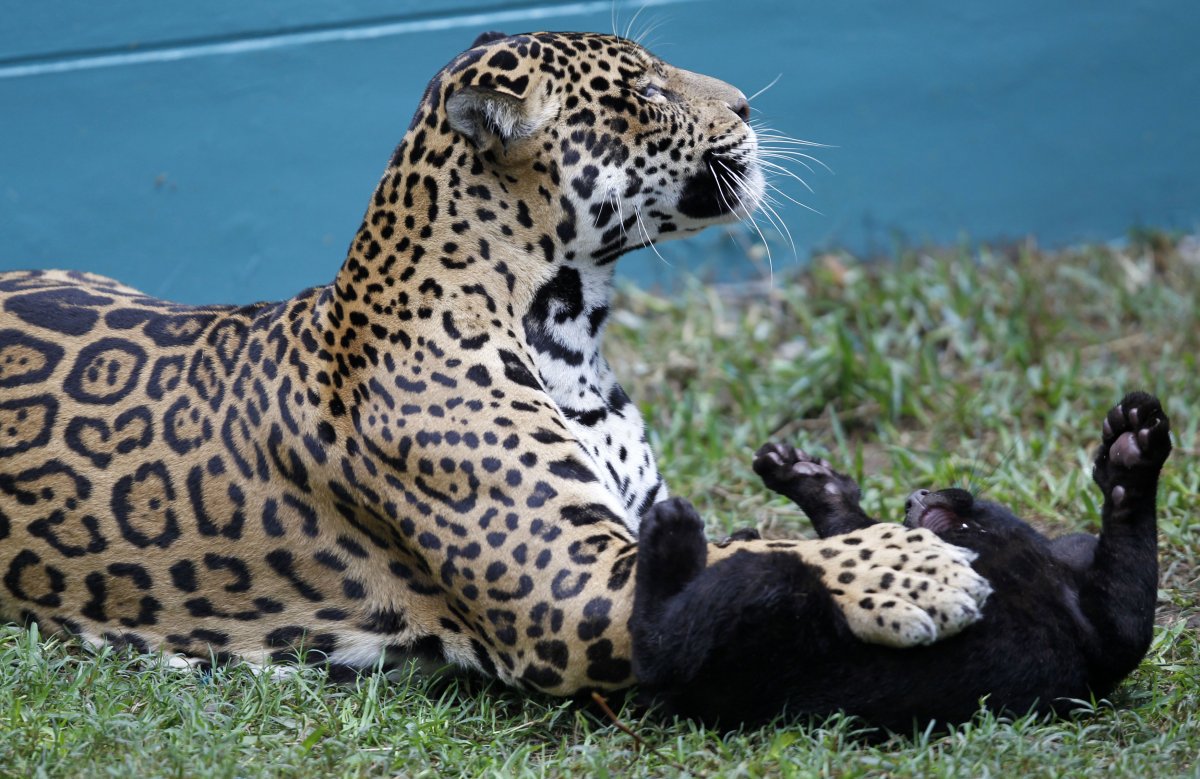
x: 429, y: 455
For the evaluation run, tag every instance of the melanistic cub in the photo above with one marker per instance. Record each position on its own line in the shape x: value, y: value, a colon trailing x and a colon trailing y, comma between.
x: 1068, y: 618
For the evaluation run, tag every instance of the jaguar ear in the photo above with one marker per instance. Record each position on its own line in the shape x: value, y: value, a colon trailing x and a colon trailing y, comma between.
x: 489, y: 116
x: 488, y: 37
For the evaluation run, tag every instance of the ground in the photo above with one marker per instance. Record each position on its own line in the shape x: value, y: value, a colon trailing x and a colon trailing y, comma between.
x: 990, y: 368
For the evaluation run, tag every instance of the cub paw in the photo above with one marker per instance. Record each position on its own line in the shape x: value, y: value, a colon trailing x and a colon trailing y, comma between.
x: 899, y: 587
x: 671, y: 547
x: 667, y: 520
x: 809, y: 481
x: 1135, y: 442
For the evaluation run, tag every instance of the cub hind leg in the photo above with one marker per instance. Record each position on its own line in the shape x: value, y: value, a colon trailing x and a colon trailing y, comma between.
x: 1118, y: 592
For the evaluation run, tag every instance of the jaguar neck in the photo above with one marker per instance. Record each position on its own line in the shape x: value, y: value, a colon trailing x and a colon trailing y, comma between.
x: 564, y: 329
x: 432, y: 235
x: 458, y: 248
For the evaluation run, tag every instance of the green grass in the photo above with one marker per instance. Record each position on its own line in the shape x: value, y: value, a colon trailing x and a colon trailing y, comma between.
x: 986, y: 369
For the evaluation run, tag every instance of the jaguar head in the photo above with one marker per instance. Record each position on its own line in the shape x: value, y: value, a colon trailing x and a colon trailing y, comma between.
x: 608, y: 147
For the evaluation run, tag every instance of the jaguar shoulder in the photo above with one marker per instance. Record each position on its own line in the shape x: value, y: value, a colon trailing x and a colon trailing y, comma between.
x: 429, y: 455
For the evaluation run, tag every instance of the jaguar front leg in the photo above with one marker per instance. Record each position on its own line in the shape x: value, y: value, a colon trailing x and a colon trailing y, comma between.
x: 713, y: 626
x: 896, y: 586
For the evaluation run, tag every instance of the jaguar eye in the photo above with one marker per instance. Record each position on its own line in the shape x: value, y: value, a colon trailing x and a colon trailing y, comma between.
x: 652, y: 90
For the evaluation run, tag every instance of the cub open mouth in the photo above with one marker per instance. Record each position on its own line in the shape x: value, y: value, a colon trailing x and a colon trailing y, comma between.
x: 937, y: 519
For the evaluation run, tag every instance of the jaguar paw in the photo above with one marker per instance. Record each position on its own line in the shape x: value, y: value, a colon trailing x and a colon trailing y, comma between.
x: 900, y: 587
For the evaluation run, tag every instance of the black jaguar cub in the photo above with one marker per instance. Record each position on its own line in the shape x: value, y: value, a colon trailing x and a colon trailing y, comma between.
x: 1068, y: 618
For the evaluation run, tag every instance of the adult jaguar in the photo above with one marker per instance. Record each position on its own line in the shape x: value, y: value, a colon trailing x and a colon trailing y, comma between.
x: 429, y: 455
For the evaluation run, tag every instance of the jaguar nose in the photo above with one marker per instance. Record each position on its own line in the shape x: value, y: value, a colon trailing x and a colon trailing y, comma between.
x: 915, y: 497
x: 740, y: 106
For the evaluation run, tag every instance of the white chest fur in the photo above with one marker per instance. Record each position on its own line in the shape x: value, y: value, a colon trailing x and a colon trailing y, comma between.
x: 565, y: 325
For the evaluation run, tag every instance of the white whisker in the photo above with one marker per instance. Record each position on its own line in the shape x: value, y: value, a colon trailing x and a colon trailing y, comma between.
x: 643, y: 37
x: 749, y: 215
x: 767, y: 136
x: 620, y: 215
x: 770, y: 133
x: 791, y: 199
x: 767, y: 206
x: 629, y: 26
x: 784, y: 171
x: 774, y: 81
x: 720, y: 188
x: 771, y: 154
x: 649, y: 241
x: 768, y: 210
x: 797, y: 156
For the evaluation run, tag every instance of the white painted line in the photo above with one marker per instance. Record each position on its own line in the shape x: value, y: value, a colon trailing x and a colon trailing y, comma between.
x: 268, y: 42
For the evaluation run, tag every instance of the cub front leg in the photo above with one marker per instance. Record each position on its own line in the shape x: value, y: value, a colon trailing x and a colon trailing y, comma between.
x: 829, y: 498
x: 671, y: 551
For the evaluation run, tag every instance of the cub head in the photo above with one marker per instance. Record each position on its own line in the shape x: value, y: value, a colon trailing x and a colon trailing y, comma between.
x: 603, y: 146
x: 957, y: 514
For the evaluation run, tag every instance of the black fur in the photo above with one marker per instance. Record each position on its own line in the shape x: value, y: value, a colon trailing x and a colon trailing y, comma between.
x: 743, y: 640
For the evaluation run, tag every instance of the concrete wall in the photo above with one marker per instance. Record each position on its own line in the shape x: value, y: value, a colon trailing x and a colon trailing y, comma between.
x: 224, y: 151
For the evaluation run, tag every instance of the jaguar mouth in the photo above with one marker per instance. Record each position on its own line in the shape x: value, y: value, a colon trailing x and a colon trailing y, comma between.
x: 727, y: 187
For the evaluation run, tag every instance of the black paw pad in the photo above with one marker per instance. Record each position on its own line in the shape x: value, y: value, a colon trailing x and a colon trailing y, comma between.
x: 1135, y: 442
x: 1125, y: 451
x: 1136, y: 432
x: 781, y: 466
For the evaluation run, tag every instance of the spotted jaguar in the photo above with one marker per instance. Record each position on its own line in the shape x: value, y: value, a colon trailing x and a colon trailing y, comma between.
x: 428, y: 457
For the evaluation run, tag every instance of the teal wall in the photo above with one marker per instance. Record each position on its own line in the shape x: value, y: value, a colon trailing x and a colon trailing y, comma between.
x: 224, y: 151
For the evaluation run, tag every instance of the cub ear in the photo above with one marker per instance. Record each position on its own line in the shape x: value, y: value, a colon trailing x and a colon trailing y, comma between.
x: 487, y: 116
x: 488, y: 37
